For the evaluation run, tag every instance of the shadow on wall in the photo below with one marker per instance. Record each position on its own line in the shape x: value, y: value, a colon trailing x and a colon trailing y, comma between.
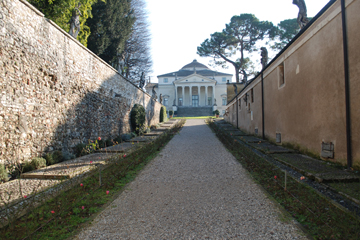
x: 103, y: 113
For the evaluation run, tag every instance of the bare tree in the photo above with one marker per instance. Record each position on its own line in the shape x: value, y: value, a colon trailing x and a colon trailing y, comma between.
x: 136, y: 57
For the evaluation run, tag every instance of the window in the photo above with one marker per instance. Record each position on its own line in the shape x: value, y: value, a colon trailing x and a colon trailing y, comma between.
x: 166, y: 101
x: 209, y: 101
x: 252, y: 95
x: 166, y: 80
x: 281, y: 74
x: 223, y: 79
x: 224, y: 101
x: 239, y: 104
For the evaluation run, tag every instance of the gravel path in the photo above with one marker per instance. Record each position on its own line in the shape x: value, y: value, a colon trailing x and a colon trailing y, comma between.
x: 194, y: 189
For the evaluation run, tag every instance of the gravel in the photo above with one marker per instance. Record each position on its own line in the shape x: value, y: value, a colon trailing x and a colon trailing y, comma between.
x: 194, y: 189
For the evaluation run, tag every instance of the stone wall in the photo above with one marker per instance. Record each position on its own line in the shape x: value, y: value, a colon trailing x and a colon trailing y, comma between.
x: 55, y: 93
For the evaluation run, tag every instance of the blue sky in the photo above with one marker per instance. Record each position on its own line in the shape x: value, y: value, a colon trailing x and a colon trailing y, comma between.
x: 179, y: 27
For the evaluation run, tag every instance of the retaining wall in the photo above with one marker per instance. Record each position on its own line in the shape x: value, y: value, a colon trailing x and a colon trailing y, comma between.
x: 55, y: 93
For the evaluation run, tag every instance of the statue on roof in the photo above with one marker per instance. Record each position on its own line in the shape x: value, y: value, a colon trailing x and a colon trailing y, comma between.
x: 75, y: 21
x: 264, y: 57
x: 302, y: 16
x: 142, y: 80
x: 154, y: 92
x: 235, y: 88
x: 245, y: 76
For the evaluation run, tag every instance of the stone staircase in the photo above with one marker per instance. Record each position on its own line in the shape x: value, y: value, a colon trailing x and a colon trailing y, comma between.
x: 194, y: 111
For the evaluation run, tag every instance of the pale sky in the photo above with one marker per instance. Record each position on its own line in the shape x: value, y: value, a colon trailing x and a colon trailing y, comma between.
x: 179, y: 27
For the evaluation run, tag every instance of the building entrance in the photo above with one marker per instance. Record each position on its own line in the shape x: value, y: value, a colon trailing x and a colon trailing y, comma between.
x: 195, y: 100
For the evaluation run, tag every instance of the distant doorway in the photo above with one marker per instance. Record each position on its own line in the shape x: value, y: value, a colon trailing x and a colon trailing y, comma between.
x: 195, y: 100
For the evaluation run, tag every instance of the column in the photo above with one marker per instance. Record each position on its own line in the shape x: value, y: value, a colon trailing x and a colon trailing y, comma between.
x: 214, y: 95
x: 206, y: 95
x: 190, y: 95
x: 183, y: 95
x: 199, y: 94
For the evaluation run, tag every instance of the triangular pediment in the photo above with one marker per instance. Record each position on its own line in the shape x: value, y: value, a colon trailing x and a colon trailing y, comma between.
x: 194, y: 78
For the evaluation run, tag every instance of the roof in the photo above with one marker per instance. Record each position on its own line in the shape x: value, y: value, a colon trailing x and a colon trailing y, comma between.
x: 200, y: 69
x: 194, y: 64
x: 185, y: 73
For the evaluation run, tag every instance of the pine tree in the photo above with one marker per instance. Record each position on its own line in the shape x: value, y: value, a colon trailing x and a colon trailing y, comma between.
x: 110, y: 27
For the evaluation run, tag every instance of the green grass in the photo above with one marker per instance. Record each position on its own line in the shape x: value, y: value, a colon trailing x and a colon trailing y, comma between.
x: 314, y: 212
x: 79, y: 205
x: 350, y: 188
x: 202, y: 117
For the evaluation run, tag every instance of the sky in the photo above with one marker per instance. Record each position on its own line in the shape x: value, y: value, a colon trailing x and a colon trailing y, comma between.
x: 179, y: 27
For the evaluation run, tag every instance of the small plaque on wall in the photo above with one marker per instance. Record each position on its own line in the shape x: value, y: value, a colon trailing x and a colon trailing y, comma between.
x: 327, y: 150
x: 278, y: 137
x: 256, y: 131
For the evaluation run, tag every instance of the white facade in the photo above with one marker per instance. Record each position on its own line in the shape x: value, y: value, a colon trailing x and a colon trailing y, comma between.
x: 194, y: 85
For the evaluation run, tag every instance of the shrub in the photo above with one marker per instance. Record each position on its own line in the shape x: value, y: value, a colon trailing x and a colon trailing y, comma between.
x: 216, y: 112
x: 133, y: 134
x: 68, y: 156
x: 3, y: 173
x: 163, y: 114
x: 54, y: 157
x: 125, y: 137
x: 38, y: 162
x: 171, y: 112
x: 109, y: 142
x: 137, y: 118
x: 118, y: 140
x: 79, y: 149
x: 27, y: 167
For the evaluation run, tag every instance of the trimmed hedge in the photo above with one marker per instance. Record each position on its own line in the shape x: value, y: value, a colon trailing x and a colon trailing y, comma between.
x: 163, y: 115
x: 137, y: 118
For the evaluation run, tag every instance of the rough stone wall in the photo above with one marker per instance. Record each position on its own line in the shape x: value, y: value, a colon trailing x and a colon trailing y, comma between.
x: 55, y: 93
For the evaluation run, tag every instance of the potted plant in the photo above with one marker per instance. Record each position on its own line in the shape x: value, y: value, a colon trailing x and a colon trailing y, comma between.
x: 216, y: 113
x: 171, y: 113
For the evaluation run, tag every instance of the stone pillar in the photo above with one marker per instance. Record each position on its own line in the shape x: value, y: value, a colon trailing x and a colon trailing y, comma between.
x: 183, y: 95
x: 190, y: 93
x: 206, y: 95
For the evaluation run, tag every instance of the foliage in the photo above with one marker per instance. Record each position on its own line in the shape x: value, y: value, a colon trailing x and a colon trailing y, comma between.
x: 216, y: 112
x: 78, y: 149
x: 239, y: 36
x: 136, y: 57
x: 38, y: 162
x: 110, y: 28
x: 3, y: 173
x: 287, y: 30
x: 54, y: 157
x: 26, y: 167
x: 125, y: 137
x: 163, y: 115
x: 171, y: 112
x: 137, y: 118
x: 61, y: 11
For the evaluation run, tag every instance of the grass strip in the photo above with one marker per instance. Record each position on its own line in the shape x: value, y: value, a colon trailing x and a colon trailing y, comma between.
x: 63, y: 216
x: 314, y: 212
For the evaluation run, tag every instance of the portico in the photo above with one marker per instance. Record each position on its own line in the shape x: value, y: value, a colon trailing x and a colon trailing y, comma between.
x: 193, y: 86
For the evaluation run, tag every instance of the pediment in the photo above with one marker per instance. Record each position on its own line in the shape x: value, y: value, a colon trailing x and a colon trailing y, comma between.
x: 194, y: 78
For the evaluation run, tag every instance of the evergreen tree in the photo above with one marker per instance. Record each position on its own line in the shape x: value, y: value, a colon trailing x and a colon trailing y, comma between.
x: 60, y: 11
x: 110, y: 27
x: 287, y: 30
x: 239, y: 36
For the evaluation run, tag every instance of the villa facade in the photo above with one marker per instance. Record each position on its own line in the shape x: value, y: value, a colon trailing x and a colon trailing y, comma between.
x: 193, y: 88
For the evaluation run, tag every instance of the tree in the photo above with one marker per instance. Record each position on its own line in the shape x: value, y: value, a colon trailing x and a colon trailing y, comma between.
x: 287, y: 30
x: 136, y: 57
x: 239, y: 36
x: 60, y: 12
x: 110, y: 27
